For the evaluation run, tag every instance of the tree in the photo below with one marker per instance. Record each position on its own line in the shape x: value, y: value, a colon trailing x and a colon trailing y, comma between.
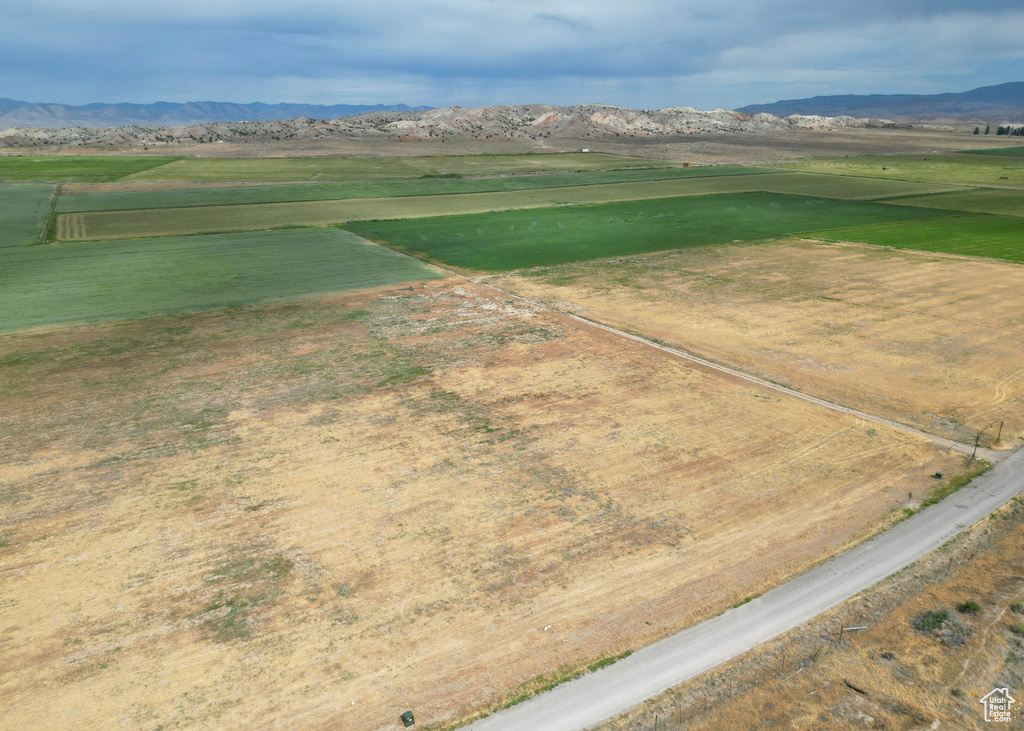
x: 987, y: 128
x: 977, y: 131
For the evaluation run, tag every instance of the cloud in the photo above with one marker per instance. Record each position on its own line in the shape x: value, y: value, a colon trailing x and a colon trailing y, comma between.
x: 650, y: 54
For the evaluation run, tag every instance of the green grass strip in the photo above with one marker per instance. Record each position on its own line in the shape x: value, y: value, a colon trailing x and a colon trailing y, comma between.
x: 984, y: 235
x: 76, y: 168
x: 981, y: 200
x: 23, y: 213
x: 547, y: 236
x: 114, y: 280
x: 997, y: 152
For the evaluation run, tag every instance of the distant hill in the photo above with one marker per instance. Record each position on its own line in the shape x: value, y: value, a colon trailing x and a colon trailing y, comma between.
x: 989, y: 104
x: 166, y: 114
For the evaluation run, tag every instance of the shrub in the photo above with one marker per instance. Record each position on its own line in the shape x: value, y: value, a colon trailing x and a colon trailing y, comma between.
x: 1017, y: 608
x: 1018, y: 629
x: 969, y: 607
x: 929, y: 621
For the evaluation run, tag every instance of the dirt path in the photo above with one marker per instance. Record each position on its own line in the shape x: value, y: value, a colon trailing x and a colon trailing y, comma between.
x: 988, y: 454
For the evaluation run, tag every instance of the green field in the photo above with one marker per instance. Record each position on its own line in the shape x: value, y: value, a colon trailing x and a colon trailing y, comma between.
x: 953, y: 168
x: 209, y: 219
x: 986, y: 200
x: 997, y: 237
x: 79, y: 168
x: 999, y: 151
x: 43, y: 285
x: 23, y: 211
x: 355, y: 168
x: 374, y: 188
x: 542, y: 237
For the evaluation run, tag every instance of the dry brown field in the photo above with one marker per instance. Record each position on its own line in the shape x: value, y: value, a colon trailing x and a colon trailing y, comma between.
x: 889, y: 675
x: 929, y: 340
x: 320, y: 514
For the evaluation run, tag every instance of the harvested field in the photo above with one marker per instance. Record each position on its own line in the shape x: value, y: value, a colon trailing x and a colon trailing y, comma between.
x: 23, y: 211
x: 323, y: 513
x: 986, y: 200
x: 974, y: 234
x: 198, y: 194
x: 931, y: 168
x: 63, y: 283
x: 526, y: 238
x: 353, y: 168
x: 927, y: 340
x: 67, y: 168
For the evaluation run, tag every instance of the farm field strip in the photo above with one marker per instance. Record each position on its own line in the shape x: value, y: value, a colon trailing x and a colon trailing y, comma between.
x: 298, y: 506
x: 45, y: 285
x: 169, y: 221
x: 547, y: 236
x: 998, y: 152
x: 23, y: 212
x: 972, y: 234
x: 355, y: 168
x: 983, y: 200
x: 83, y: 168
x: 951, y: 168
x: 208, y: 219
x: 372, y: 188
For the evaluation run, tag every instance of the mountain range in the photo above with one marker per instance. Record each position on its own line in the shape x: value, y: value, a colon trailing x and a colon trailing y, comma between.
x: 999, y: 104
x: 167, y: 114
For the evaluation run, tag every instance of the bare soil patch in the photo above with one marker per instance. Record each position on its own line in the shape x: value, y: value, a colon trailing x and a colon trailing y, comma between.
x: 929, y: 340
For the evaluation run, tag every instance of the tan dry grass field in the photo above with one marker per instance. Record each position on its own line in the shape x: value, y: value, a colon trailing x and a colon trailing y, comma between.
x: 929, y: 340
x: 322, y: 513
x: 905, y: 679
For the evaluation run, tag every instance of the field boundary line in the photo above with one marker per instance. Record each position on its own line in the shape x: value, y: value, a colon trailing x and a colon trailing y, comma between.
x: 948, y: 444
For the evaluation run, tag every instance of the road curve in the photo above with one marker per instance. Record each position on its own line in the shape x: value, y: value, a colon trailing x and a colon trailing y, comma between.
x: 598, y: 696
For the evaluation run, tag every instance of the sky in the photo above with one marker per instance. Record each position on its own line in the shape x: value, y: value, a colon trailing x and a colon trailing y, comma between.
x: 642, y: 54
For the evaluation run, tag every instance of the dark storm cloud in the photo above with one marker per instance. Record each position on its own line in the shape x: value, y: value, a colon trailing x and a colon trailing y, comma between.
x: 467, y: 52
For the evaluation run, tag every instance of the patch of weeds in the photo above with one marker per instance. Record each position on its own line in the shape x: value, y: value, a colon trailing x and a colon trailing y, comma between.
x: 400, y: 371
x: 564, y: 674
x: 345, y: 617
x: 25, y: 358
x: 942, y: 624
x: 745, y: 601
x: 355, y: 315
x: 206, y: 418
x: 250, y: 581
x: 258, y: 506
x: 344, y: 590
x: 969, y: 607
x: 1017, y: 608
x: 1018, y: 629
x: 184, y: 486
x: 929, y: 621
x: 944, y: 491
